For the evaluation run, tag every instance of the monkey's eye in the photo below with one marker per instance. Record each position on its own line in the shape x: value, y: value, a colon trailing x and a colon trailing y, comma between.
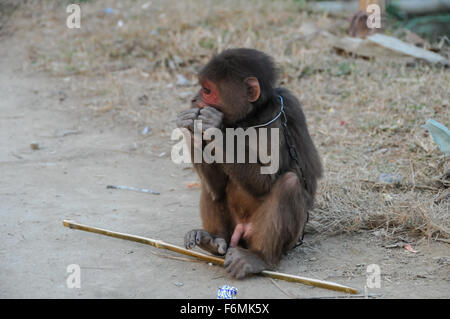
x: 206, y: 91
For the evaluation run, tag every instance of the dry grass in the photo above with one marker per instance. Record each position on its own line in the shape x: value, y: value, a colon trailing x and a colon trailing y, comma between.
x: 366, y: 117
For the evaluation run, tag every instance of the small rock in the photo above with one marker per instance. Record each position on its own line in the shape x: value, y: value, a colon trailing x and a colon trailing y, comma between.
x: 62, y: 96
x: 143, y: 99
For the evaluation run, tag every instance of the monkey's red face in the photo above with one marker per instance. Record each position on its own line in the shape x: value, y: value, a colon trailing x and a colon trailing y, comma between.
x: 207, y: 96
x: 210, y: 94
x: 233, y: 99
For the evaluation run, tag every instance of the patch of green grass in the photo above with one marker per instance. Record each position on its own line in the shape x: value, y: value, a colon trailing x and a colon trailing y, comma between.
x: 416, y: 107
x: 206, y: 43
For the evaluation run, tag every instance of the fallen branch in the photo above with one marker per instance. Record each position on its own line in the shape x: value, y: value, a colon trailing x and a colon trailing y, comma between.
x: 408, y: 49
x: 212, y: 259
x: 380, y: 45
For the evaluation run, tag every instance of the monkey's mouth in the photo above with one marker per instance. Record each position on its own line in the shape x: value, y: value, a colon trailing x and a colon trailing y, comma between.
x: 213, y: 106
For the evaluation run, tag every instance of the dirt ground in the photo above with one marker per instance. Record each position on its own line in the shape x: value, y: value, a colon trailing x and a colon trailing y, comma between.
x: 80, y: 152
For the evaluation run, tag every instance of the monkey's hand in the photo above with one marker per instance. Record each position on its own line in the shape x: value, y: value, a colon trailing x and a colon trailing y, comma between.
x: 206, y: 241
x: 240, y: 262
x: 186, y: 118
x: 210, y: 117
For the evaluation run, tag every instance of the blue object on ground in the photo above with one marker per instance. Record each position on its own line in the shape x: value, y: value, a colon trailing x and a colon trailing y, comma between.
x: 390, y: 178
x: 440, y: 134
x: 227, y: 292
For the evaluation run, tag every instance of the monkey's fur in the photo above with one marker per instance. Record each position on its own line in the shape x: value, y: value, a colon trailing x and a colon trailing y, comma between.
x: 249, y: 217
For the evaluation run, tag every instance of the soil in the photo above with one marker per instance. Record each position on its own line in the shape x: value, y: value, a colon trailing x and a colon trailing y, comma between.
x: 78, y: 154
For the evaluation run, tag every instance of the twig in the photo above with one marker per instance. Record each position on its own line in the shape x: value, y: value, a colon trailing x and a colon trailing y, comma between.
x: 64, y: 134
x: 16, y: 156
x: 131, y: 188
x: 413, y: 175
x: 404, y: 185
x: 216, y: 260
x: 447, y: 241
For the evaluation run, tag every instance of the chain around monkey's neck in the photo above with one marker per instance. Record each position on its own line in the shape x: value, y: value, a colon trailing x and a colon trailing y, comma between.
x: 276, y: 117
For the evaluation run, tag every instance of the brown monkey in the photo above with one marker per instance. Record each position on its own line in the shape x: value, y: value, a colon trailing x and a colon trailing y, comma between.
x: 249, y: 217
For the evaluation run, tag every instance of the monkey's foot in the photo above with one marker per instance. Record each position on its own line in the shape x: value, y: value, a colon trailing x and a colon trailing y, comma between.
x: 240, y: 262
x: 206, y: 241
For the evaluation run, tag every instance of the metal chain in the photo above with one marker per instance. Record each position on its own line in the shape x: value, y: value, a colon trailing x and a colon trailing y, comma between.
x: 294, y: 156
x: 292, y: 150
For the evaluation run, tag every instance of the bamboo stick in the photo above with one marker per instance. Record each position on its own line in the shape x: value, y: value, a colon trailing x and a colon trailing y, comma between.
x: 216, y: 260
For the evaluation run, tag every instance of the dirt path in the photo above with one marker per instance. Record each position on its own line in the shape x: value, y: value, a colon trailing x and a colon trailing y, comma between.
x: 66, y: 179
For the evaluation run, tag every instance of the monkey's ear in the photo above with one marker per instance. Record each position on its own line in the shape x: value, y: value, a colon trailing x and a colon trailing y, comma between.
x: 253, y: 89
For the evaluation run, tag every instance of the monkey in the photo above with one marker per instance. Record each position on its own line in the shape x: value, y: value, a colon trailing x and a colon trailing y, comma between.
x: 251, y: 218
